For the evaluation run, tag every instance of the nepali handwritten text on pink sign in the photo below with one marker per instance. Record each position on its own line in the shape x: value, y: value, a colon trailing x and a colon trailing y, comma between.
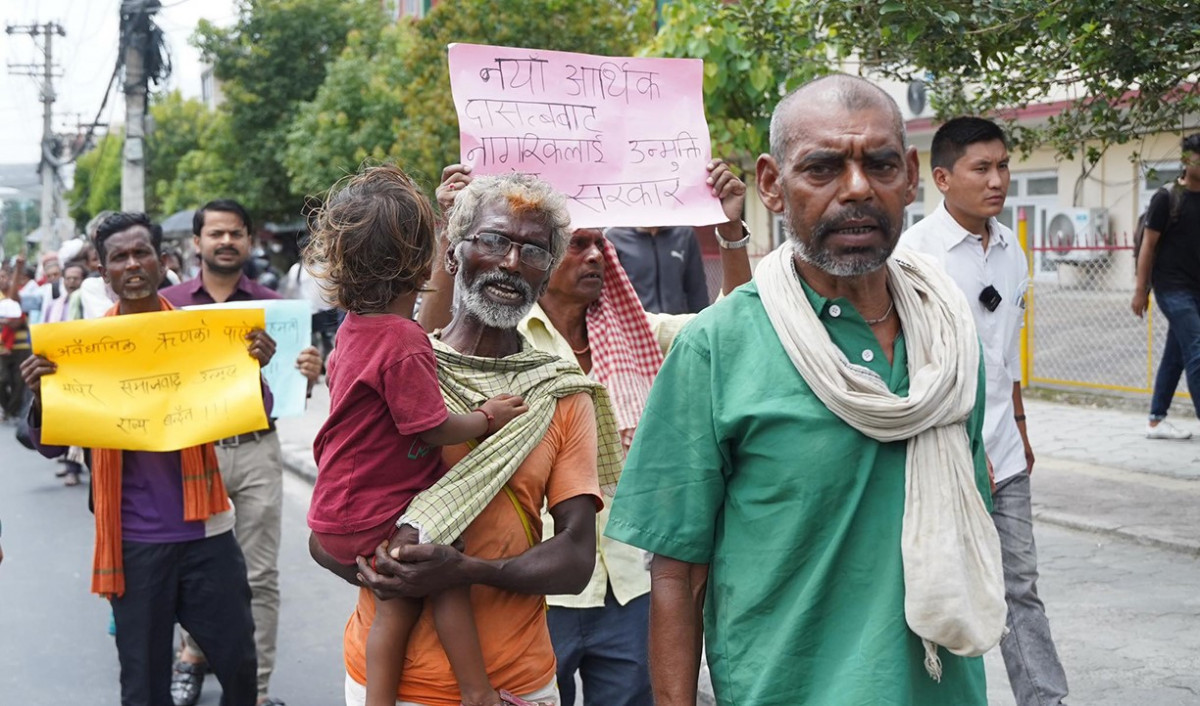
x: 624, y: 139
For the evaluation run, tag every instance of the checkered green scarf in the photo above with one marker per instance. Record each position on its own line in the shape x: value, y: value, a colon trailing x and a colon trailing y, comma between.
x: 443, y: 512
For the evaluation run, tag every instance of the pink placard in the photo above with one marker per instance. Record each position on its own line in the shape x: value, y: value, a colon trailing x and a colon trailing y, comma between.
x: 623, y: 138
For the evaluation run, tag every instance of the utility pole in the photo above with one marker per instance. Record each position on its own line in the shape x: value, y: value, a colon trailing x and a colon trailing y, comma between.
x: 48, y: 167
x: 135, y: 38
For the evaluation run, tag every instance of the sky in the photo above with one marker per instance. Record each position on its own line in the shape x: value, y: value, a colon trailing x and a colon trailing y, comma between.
x: 86, y: 56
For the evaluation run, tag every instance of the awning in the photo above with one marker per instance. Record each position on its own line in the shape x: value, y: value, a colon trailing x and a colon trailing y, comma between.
x: 178, y: 225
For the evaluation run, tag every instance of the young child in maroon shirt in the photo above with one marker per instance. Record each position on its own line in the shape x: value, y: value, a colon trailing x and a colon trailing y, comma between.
x: 373, y: 248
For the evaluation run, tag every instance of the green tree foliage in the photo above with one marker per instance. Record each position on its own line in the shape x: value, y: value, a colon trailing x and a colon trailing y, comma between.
x: 97, y: 179
x: 1128, y: 68
x: 273, y: 59
x: 409, y: 117
x: 180, y: 127
x: 179, y: 162
x: 754, y: 51
x: 201, y: 173
x: 355, y: 115
x: 19, y: 218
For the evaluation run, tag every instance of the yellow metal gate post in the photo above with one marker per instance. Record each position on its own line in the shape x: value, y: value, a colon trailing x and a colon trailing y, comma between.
x: 1027, y: 328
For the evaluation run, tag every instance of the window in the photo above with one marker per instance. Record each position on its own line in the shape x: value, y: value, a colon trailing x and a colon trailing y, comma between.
x: 778, y: 235
x: 915, y: 211
x: 1033, y: 185
x: 1042, y: 186
x: 396, y: 9
x: 208, y: 87
x: 1035, y: 194
x: 1156, y: 175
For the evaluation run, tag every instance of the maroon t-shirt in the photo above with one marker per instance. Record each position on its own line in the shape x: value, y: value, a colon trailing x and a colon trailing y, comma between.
x: 383, y: 393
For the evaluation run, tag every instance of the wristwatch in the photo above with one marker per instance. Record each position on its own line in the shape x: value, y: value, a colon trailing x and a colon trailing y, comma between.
x: 735, y: 244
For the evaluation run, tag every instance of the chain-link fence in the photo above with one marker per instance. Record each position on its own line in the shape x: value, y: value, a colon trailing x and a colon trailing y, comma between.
x: 1081, y: 330
x: 712, y: 275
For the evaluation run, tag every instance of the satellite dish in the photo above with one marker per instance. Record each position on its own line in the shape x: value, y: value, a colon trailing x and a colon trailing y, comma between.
x: 916, y: 96
x: 1060, y: 235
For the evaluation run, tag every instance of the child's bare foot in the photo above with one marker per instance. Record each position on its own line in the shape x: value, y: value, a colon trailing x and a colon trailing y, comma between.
x: 403, y: 536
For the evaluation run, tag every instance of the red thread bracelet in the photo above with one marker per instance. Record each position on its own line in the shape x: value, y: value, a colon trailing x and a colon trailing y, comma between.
x: 490, y: 418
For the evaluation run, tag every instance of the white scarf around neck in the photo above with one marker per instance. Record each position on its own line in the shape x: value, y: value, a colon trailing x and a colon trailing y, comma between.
x: 953, y: 579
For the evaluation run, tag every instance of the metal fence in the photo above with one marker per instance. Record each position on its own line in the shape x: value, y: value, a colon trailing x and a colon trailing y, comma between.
x: 1080, y: 331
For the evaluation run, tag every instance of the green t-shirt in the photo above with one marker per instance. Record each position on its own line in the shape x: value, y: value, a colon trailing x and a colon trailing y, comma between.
x: 738, y: 465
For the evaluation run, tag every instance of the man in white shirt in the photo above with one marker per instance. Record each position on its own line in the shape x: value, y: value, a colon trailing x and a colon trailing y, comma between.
x: 969, y: 157
x: 299, y: 284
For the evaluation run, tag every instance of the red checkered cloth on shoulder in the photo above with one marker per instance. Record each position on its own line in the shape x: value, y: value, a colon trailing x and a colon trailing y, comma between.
x: 625, y: 353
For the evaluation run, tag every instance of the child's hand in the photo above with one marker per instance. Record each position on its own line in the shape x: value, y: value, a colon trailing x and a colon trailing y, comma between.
x: 504, y: 408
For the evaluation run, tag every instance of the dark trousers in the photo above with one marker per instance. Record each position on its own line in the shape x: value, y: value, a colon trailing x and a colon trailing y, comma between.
x: 324, y: 330
x: 608, y: 646
x: 1170, y: 369
x: 12, y: 385
x: 202, y: 585
x: 1182, y: 309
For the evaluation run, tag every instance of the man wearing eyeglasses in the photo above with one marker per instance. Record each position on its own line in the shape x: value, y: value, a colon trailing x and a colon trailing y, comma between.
x: 590, y: 314
x: 970, y: 167
x: 503, y: 239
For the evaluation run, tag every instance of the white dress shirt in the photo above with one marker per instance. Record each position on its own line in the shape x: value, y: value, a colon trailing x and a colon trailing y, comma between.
x: 1004, y: 267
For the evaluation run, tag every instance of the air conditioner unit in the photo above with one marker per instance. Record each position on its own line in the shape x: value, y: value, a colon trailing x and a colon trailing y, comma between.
x: 916, y: 100
x: 1078, y: 235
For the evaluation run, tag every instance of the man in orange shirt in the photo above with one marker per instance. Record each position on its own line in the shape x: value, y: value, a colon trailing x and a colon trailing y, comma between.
x: 494, y: 233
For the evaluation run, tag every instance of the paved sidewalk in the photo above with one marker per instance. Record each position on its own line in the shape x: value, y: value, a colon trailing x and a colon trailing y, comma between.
x: 1095, y: 471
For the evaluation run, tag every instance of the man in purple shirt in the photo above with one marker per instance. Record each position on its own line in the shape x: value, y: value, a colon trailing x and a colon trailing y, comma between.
x: 174, y: 569
x: 251, y: 464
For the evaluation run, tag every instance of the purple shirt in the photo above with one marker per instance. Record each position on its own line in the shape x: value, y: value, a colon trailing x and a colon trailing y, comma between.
x: 192, y: 292
x: 152, y: 492
x: 152, y: 481
x: 151, y: 496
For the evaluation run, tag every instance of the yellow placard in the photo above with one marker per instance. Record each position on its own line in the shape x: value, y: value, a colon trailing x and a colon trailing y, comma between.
x: 150, y: 382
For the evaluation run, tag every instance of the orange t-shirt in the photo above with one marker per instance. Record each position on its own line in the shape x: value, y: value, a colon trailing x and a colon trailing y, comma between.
x: 512, y: 626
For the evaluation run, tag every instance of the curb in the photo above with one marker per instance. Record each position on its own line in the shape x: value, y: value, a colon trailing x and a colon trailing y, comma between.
x: 1074, y: 522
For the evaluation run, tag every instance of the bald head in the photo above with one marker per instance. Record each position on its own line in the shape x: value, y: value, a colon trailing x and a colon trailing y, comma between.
x: 852, y: 93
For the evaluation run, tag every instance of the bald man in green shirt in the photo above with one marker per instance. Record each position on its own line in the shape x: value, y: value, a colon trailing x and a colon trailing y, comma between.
x: 809, y: 470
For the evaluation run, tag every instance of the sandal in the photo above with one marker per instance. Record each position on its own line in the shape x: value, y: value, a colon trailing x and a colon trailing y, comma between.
x: 72, y: 479
x: 187, y: 680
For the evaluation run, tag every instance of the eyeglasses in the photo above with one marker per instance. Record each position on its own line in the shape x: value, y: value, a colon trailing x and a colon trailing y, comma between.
x: 496, y: 245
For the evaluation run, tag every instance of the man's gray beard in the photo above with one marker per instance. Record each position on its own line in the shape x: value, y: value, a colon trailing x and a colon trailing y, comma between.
x: 849, y: 265
x: 470, y: 299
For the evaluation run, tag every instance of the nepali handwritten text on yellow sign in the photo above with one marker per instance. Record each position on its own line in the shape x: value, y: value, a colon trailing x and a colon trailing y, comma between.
x: 150, y: 382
